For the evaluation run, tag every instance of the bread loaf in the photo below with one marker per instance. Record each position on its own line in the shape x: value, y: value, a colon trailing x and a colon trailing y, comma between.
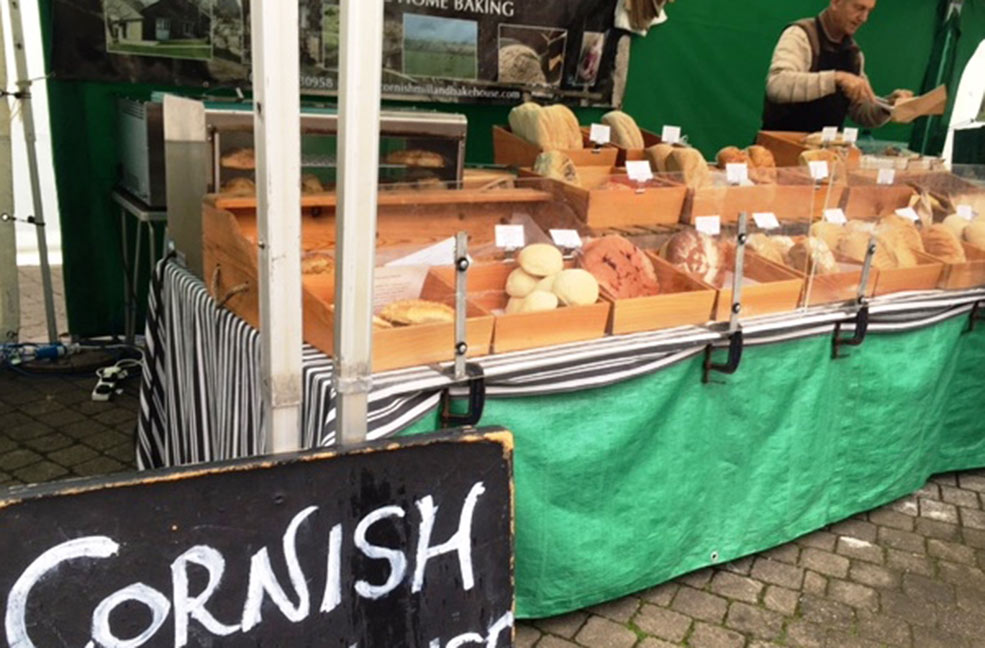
x: 975, y: 233
x: 764, y: 246
x: 310, y: 183
x: 691, y: 164
x: 625, y: 133
x: 417, y: 311
x: 528, y: 121
x: 763, y: 169
x: 540, y: 260
x: 956, y: 224
x: 827, y: 232
x: 416, y: 158
x: 732, y: 155
x: 906, y: 229
x: 836, y: 166
x: 239, y: 187
x: 855, y: 246
x: 576, y: 287
x: 697, y: 254
x: 621, y: 268
x: 557, y: 165
x: 657, y: 155
x: 564, y: 126
x: 940, y: 242
x: 812, y: 255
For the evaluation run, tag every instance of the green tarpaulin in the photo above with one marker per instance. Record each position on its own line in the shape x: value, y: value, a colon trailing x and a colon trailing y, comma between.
x: 621, y: 488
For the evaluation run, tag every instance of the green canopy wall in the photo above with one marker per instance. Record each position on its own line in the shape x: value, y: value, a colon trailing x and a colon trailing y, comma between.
x: 705, y: 69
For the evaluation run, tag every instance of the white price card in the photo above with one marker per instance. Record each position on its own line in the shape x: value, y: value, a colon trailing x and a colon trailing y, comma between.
x: 829, y: 134
x: 966, y: 212
x: 909, y: 213
x: 737, y: 174
x: 836, y: 216
x: 886, y: 176
x: 670, y: 135
x: 850, y: 135
x: 639, y: 170
x: 600, y: 134
x: 819, y: 169
x: 510, y: 237
x: 766, y: 220
x: 710, y: 225
x: 566, y: 238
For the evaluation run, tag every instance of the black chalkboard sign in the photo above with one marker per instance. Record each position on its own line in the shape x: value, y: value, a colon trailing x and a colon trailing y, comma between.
x: 402, y: 544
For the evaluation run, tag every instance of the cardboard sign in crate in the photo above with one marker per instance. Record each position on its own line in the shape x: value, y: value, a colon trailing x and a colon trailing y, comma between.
x: 512, y: 150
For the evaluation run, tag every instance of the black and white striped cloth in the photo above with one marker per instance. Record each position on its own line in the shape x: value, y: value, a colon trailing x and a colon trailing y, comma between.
x: 201, y: 398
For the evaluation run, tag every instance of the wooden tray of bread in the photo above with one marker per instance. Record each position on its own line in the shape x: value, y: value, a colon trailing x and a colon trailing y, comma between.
x: 926, y: 275
x: 787, y: 147
x: 865, y: 199
x: 791, y: 197
x: 768, y: 289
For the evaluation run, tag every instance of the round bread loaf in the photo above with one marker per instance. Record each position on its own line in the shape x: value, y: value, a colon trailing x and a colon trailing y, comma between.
x: 625, y: 133
x: 761, y: 157
x: 239, y: 187
x: 939, y: 241
x: 520, y: 284
x: 975, y: 233
x: 695, y: 253
x: 541, y: 260
x: 576, y: 287
x: 657, y: 155
x: 827, y: 232
x: 564, y: 126
x: 620, y: 268
x: 906, y: 229
x: 691, y: 164
x: 539, y: 301
x: 956, y: 224
x: 732, y: 155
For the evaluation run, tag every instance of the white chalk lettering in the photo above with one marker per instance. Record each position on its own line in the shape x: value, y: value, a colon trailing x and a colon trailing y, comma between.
x: 333, y: 579
x: 396, y: 558
x: 502, y: 624
x: 156, y: 602
x: 262, y: 580
x: 460, y: 542
x: 186, y: 607
x: 489, y: 7
x: 90, y: 547
x: 467, y: 638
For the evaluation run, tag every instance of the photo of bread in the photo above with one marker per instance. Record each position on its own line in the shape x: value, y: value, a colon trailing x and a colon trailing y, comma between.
x: 531, y: 55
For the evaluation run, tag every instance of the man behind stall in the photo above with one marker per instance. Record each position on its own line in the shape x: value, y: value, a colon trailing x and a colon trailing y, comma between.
x: 817, y: 77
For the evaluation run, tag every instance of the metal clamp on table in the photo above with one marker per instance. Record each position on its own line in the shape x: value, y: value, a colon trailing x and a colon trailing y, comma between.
x: 861, y: 319
x: 736, y: 341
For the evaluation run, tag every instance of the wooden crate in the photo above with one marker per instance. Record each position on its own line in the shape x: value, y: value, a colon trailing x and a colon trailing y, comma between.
x: 793, y: 197
x: 777, y: 290
x: 786, y: 147
x: 682, y: 301
x: 520, y: 331
x: 649, y: 139
x: 924, y: 276
x: 868, y: 200
x: 971, y: 274
x: 512, y: 150
x: 230, y: 262
x: 659, y: 202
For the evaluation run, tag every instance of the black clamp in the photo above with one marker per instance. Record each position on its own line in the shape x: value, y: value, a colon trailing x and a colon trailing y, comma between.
x: 977, y: 315
x: 476, y: 379
x: 736, y: 344
x: 861, y: 329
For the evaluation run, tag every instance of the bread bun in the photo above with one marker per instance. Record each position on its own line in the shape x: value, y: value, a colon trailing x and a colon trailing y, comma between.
x: 576, y: 287
x: 520, y: 284
x: 975, y: 233
x: 827, y: 232
x: 541, y: 260
x: 732, y: 155
x: 939, y: 241
x: 539, y: 301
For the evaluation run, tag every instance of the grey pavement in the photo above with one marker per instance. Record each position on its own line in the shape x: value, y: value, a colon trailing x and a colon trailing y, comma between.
x: 908, y: 574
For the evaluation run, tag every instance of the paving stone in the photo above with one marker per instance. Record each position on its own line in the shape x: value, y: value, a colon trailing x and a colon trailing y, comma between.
x: 858, y: 529
x: 815, y: 584
x: 939, y: 530
x: 961, y: 623
x: 526, y: 635
x: 971, y: 600
x: 825, y: 612
x: 972, y: 538
x: 905, y: 561
x: 960, y: 497
x: 951, y: 551
x: 41, y: 406
x: 782, y: 600
x: 549, y: 641
x: 825, y: 562
x: 892, y: 519
x: 6, y: 445
x: 973, y: 518
x: 940, y: 511
x: 603, y: 633
x: 564, y: 625
x: 621, y: 610
x: 105, y: 440
x: 764, y: 644
x: 930, y: 490
x: 25, y: 431
x: 905, y: 505
x: 661, y: 594
x: 61, y: 417
x: 73, y: 455
x: 839, y: 639
x: 20, y: 395
x: 902, y: 540
x: 858, y: 596
x: 861, y: 549
x: 824, y: 540
x: 802, y: 634
x: 899, y: 605
x: 98, y: 466
x: 760, y: 623
x: 778, y: 573
x: 737, y: 587
x: 962, y: 575
x: 40, y: 472
x: 84, y: 428
x: 709, y: 636
x: 653, y: 642
x: 874, y: 575
x: 741, y: 566
x: 661, y: 623
x: 973, y: 482
x: 12, y: 419
x: 949, y: 479
x: 788, y: 553
x: 697, y: 579
x: 700, y: 605
x: 928, y: 590
x: 123, y: 453
x: 936, y: 638
x: 49, y: 443
x: 883, y: 628
x: 19, y: 458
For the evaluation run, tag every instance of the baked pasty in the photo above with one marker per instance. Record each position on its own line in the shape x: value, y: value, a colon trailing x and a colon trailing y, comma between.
x: 409, y: 312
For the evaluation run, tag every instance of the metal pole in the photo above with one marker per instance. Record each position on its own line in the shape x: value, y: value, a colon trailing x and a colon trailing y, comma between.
x: 277, y: 140
x: 9, y: 287
x: 360, y: 76
x: 27, y: 116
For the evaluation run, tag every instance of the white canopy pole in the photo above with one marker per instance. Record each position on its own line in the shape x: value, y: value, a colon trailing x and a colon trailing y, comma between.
x: 360, y: 76
x: 277, y: 140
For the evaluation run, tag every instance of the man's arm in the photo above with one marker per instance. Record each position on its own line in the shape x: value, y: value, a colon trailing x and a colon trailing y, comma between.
x: 790, y: 79
x: 867, y: 113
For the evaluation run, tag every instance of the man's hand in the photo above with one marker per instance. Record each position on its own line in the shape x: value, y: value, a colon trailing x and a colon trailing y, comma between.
x: 855, y: 87
x: 899, y: 95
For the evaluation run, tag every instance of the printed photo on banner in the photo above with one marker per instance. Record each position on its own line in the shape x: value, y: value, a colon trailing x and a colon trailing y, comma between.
x: 531, y: 55
x: 166, y: 28
x: 228, y: 35
x: 590, y: 58
x: 440, y: 48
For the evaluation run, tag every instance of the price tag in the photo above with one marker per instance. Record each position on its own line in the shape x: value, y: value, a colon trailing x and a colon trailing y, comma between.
x: 600, y: 134
x: 670, y: 135
x: 886, y: 176
x: 639, y: 170
x: 737, y: 174
x: 766, y: 220
x: 836, y: 216
x: 850, y: 135
x: 966, y: 212
x: 909, y: 213
x: 829, y: 134
x: 510, y: 237
x: 710, y: 225
x: 566, y: 238
x: 819, y: 169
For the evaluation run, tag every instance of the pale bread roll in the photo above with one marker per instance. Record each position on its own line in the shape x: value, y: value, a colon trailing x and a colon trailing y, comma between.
x: 761, y: 157
x: 692, y: 164
x: 547, y: 283
x: 956, y: 224
x: 732, y: 155
x: 657, y: 155
x: 514, y: 305
x: 827, y: 232
x: 557, y: 165
x: 520, y: 284
x: 539, y: 301
x: 860, y: 226
x: 975, y: 233
x: 624, y: 131
x: 541, y: 260
x: 576, y: 287
x: 940, y: 242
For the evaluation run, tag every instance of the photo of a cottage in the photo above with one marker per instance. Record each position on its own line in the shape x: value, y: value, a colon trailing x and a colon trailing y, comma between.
x: 169, y: 28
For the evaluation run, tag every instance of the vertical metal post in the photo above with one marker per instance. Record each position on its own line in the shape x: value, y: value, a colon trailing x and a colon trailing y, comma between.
x: 360, y: 76
x: 9, y: 288
x: 30, y: 137
x: 277, y: 140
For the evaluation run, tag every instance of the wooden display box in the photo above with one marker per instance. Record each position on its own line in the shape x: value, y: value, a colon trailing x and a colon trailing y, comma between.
x: 786, y: 147
x: 924, y: 276
x: 682, y: 301
x: 521, y: 331
x: 512, y: 150
x: 971, y: 274
x: 659, y: 202
x: 777, y: 290
x: 649, y: 139
x: 868, y: 200
x: 793, y: 198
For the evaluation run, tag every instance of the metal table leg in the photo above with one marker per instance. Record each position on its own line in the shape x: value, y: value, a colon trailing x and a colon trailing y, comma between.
x: 132, y: 319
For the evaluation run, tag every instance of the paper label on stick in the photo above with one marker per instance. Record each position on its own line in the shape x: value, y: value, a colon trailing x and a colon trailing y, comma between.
x: 766, y: 220
x: 710, y: 225
x: 836, y: 216
x: 886, y: 176
x: 566, y: 238
x: 850, y: 135
x: 966, y: 212
x: 639, y: 170
x: 510, y: 237
x: 819, y: 169
x: 908, y: 213
x: 829, y: 134
x: 600, y: 134
x: 737, y: 174
x: 670, y: 135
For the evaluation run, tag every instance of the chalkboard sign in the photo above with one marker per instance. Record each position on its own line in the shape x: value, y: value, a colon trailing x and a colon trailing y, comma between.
x: 403, y: 544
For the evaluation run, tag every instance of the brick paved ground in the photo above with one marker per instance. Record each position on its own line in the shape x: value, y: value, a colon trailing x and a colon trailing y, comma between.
x: 909, y: 574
